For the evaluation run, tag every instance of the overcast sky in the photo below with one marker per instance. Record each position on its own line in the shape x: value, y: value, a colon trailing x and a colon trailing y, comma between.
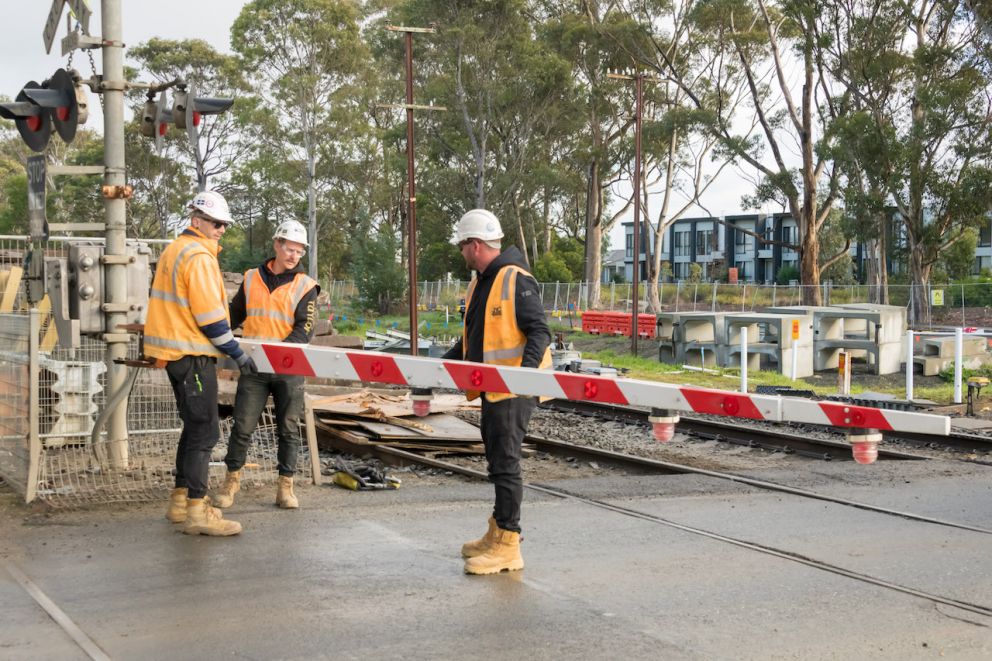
x: 22, y: 51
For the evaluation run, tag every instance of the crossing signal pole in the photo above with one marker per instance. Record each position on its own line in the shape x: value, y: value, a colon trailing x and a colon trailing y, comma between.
x: 409, y: 106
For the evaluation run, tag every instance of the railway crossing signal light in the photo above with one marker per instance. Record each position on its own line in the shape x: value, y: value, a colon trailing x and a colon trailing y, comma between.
x: 33, y: 122
x: 186, y: 112
x: 60, y: 100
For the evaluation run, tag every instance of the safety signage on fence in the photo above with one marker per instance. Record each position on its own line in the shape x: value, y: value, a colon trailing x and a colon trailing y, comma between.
x: 936, y: 297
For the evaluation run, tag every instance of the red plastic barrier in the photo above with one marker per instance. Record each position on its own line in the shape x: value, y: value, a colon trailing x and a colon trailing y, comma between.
x: 617, y: 323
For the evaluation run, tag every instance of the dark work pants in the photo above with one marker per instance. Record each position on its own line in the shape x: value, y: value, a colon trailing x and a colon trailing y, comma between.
x: 194, y: 382
x: 503, y: 426
x: 253, y: 394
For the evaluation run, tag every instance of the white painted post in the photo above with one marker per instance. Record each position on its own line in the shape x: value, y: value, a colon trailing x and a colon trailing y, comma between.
x: 909, y: 365
x: 958, y: 357
x: 743, y: 358
x: 795, y: 361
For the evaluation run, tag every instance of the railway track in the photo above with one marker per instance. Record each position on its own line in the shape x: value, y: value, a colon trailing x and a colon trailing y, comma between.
x: 785, y: 438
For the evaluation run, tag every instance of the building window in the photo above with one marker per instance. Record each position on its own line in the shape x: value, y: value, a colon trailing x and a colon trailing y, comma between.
x: 744, y: 243
x: 744, y: 270
x: 630, y: 246
x: 682, y: 243
x: 681, y: 271
x: 704, y: 242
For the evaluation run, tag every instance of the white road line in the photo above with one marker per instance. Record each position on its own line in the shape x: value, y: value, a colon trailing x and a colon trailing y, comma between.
x: 85, y: 642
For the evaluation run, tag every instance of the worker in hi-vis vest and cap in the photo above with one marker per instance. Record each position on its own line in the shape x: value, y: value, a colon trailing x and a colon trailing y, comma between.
x: 187, y: 329
x: 505, y: 324
x: 277, y: 301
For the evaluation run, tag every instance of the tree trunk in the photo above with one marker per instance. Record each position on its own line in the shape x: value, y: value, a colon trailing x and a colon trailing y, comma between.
x: 919, y: 272
x: 809, y: 262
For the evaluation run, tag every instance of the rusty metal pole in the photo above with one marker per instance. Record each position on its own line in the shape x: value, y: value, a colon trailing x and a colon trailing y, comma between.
x: 412, y: 201
x: 639, y: 87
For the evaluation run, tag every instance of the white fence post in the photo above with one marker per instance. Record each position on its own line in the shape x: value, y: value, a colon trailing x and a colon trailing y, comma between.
x: 743, y: 358
x: 958, y: 357
x: 909, y: 365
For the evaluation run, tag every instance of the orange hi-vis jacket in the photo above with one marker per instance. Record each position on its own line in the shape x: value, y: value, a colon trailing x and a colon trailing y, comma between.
x: 502, y: 340
x: 187, y: 292
x: 271, y: 314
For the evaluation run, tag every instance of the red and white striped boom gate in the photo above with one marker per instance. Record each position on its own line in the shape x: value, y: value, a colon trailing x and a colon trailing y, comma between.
x: 863, y: 423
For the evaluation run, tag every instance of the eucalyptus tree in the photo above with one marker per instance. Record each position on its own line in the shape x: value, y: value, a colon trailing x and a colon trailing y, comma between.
x: 773, y: 49
x: 510, y: 107
x: 303, y: 57
x: 922, y: 134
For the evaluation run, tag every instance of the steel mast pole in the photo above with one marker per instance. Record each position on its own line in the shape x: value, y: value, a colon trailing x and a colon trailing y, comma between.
x: 412, y: 202
x: 114, y: 204
x: 639, y: 87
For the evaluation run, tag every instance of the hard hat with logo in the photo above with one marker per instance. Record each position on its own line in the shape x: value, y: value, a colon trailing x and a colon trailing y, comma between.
x: 292, y: 230
x: 212, y: 205
x: 478, y: 224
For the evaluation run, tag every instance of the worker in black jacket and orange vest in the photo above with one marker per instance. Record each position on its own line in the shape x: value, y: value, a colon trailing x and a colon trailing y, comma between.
x: 186, y: 331
x: 276, y: 302
x: 505, y: 324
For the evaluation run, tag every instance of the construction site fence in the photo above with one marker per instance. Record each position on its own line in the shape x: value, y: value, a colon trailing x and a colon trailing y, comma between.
x: 928, y: 306
x: 52, y: 397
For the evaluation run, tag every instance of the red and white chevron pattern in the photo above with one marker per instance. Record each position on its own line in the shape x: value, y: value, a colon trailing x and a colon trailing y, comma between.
x: 375, y: 367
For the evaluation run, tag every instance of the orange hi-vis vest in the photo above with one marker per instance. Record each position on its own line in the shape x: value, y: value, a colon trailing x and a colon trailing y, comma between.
x: 272, y: 314
x: 502, y: 340
x: 187, y: 292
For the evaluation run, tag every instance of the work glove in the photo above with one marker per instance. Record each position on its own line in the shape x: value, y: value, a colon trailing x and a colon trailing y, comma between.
x: 246, y: 364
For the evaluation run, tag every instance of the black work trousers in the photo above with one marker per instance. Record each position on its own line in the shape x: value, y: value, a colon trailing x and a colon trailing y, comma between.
x: 194, y: 382
x: 253, y: 394
x: 503, y: 426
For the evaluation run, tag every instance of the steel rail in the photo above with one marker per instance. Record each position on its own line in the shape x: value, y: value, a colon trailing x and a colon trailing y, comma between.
x: 737, y: 432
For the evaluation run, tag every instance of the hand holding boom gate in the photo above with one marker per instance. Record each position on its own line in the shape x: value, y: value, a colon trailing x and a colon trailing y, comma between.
x: 864, y: 424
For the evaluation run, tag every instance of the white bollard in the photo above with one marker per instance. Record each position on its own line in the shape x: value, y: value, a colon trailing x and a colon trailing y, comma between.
x: 743, y: 358
x: 958, y: 358
x: 909, y: 366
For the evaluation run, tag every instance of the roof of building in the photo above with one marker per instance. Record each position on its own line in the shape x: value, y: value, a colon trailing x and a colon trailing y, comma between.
x: 614, y: 257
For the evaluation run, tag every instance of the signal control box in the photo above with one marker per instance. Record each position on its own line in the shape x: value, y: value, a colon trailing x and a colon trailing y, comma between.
x: 77, y: 287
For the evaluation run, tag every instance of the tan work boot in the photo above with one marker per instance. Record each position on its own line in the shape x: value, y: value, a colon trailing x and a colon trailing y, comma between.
x: 202, y: 519
x: 481, y: 545
x: 177, y: 505
x: 503, y: 555
x: 232, y: 485
x: 285, y: 498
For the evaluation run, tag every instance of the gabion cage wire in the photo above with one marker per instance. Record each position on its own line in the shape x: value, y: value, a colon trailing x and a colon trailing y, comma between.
x: 49, y: 400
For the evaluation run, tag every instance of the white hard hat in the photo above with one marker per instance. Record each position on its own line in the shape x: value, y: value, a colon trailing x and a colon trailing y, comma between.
x: 478, y: 224
x: 212, y: 205
x: 292, y: 230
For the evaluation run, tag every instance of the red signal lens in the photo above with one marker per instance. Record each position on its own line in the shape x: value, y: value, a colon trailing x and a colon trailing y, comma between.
x: 62, y: 112
x: 196, y: 118
x: 162, y: 128
x: 33, y: 123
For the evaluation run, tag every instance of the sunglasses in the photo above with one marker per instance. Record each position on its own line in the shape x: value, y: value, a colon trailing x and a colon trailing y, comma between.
x: 217, y: 224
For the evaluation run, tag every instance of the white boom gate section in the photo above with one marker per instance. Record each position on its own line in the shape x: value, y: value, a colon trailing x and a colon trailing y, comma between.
x: 864, y: 423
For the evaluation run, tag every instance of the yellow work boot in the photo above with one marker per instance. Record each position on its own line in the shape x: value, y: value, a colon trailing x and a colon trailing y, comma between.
x: 202, y: 519
x: 232, y: 485
x: 285, y: 498
x: 503, y: 555
x: 177, y: 505
x: 481, y: 545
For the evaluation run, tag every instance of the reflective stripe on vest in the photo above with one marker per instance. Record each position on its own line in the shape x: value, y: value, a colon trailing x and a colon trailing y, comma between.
x: 503, y: 342
x: 271, y: 315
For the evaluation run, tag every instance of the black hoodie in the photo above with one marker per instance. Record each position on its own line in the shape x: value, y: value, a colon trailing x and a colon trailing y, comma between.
x: 531, y: 319
x: 306, y: 312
